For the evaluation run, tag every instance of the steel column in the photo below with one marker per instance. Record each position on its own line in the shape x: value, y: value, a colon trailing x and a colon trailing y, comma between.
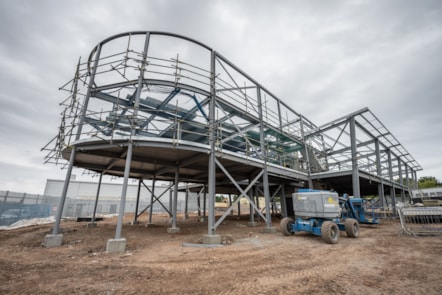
x: 212, y: 165
x: 407, y: 178
x: 198, y: 203
x: 130, y: 144
x: 283, y: 201
x: 265, y: 177
x: 77, y: 136
x: 204, y: 203
x: 124, y: 191
x: 186, y: 201
x: 170, y: 200
x: 175, y: 197
x: 379, y: 173
x: 401, y: 179
x: 307, y: 157
x: 152, y: 194
x: 239, y: 209
x: 64, y: 193
x: 416, y: 186
x: 137, y: 203
x: 413, y: 178
x: 96, y: 198
x: 251, y: 208
x: 392, y: 187
x: 354, y: 159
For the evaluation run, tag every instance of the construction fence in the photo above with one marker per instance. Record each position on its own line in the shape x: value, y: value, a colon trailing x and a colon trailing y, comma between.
x: 418, y: 221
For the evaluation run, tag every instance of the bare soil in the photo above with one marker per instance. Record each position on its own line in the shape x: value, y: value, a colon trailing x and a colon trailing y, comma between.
x: 380, y: 261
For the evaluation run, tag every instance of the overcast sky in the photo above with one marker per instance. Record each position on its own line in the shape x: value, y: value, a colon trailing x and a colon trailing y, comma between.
x: 324, y: 58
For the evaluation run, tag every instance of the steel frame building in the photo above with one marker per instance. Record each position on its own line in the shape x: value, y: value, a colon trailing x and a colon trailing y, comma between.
x: 163, y: 107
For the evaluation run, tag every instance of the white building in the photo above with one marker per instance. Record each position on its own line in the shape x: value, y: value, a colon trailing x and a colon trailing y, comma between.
x: 434, y: 193
x: 81, y: 196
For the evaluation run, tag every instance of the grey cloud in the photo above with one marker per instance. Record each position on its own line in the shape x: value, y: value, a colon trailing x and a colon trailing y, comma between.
x: 325, y: 59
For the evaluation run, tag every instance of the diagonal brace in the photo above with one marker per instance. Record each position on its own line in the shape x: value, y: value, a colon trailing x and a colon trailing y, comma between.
x: 243, y: 193
x: 156, y: 198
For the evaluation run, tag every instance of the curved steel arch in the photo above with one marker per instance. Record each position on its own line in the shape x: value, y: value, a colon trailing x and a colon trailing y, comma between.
x: 132, y: 33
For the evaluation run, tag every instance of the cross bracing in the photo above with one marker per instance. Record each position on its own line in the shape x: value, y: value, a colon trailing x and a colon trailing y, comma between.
x: 156, y: 105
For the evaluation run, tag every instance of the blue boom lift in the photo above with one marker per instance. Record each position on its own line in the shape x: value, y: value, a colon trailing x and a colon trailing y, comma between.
x: 318, y: 212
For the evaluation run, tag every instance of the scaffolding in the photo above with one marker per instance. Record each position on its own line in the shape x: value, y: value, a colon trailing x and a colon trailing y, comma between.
x: 164, y: 107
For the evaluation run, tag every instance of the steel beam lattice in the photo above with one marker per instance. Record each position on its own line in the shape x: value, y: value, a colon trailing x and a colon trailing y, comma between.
x: 165, y: 107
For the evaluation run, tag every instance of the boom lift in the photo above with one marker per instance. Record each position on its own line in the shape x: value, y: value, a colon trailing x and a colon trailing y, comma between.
x: 318, y: 212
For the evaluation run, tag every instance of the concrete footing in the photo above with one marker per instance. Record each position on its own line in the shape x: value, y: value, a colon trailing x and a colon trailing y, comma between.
x: 116, y: 245
x: 269, y: 230
x: 173, y: 230
x: 53, y: 240
x: 212, y: 239
x: 252, y: 224
x: 92, y: 224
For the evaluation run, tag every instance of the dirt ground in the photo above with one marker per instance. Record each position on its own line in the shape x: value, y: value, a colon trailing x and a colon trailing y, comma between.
x: 380, y: 261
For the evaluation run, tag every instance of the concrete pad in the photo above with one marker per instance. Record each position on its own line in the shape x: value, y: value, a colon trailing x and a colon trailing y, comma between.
x: 173, y: 230
x: 135, y: 222
x: 270, y: 230
x: 53, y: 240
x: 212, y: 239
x: 92, y: 224
x: 252, y: 224
x: 201, y: 245
x: 116, y: 245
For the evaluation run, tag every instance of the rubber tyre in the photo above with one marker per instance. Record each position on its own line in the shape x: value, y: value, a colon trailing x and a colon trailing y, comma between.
x: 330, y: 232
x: 352, y: 228
x: 285, y: 226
